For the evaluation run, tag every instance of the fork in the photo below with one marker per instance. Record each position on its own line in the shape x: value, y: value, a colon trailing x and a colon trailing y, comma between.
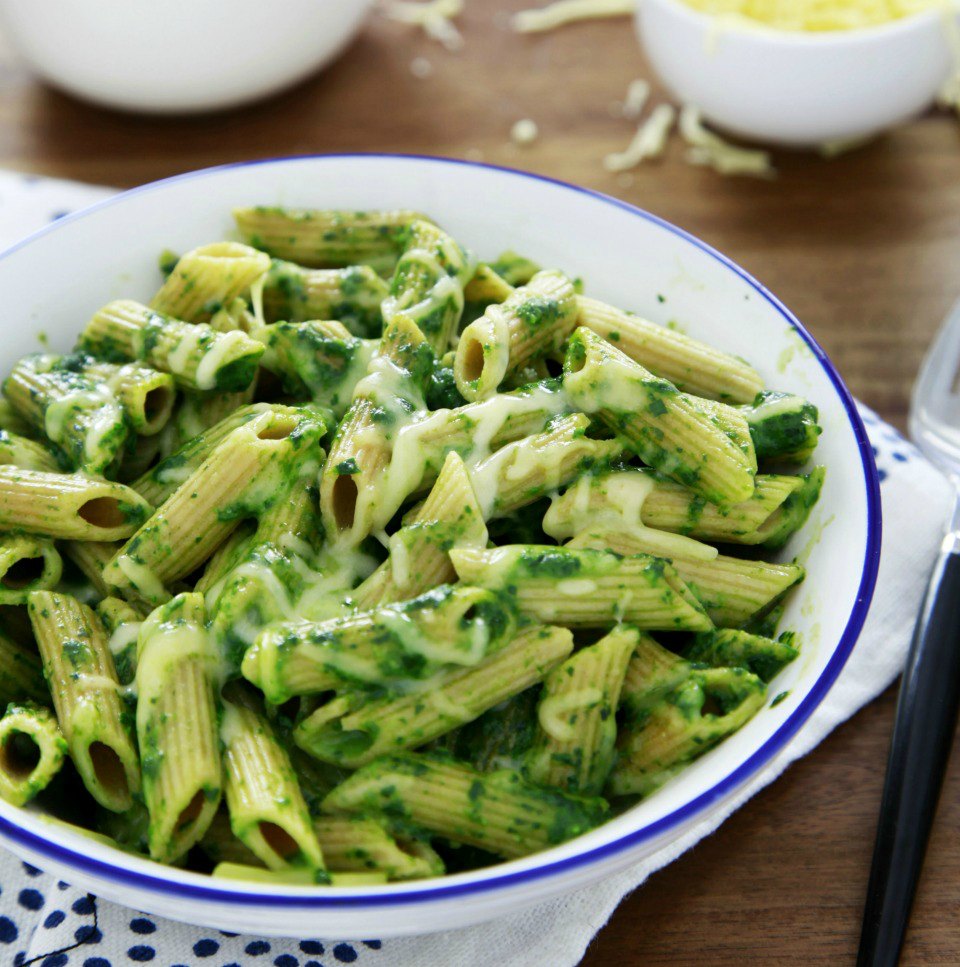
x: 930, y: 690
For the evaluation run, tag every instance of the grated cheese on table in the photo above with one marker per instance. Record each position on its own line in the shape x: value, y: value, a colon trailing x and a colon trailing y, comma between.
x: 710, y: 150
x: 649, y: 141
x: 638, y: 93
x: 524, y: 132
x: 434, y: 17
x: 564, y: 12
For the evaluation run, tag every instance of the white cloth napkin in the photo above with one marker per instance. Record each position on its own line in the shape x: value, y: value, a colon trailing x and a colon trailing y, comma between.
x: 50, y: 924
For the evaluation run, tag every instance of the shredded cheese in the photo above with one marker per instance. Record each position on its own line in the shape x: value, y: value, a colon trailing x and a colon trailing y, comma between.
x: 524, y: 132
x: 816, y: 15
x: 710, y: 150
x: 433, y: 17
x: 638, y: 93
x: 649, y: 141
x: 564, y: 12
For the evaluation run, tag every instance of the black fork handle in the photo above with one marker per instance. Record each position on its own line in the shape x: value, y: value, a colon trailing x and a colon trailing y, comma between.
x: 919, y: 751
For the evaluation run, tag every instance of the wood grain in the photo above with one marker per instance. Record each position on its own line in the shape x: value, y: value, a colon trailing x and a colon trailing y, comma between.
x: 864, y: 248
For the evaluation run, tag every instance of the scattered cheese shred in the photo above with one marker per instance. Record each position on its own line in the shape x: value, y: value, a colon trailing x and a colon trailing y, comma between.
x: 564, y: 12
x: 638, y: 93
x: 434, y: 17
x: 710, y: 150
x: 524, y: 132
x: 649, y: 141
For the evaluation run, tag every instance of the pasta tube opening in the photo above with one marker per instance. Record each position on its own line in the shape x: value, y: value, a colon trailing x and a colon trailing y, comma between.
x: 21, y: 574
x: 102, y: 512
x: 109, y: 769
x: 19, y: 755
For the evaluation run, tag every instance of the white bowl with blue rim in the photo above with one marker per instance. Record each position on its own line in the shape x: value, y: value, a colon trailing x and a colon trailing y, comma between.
x: 57, y: 278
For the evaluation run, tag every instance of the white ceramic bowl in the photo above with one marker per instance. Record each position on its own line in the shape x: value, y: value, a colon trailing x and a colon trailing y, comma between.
x: 54, y: 280
x: 791, y: 88
x: 178, y: 55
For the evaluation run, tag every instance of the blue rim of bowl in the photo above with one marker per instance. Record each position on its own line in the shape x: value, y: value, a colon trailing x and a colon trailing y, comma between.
x: 734, y: 780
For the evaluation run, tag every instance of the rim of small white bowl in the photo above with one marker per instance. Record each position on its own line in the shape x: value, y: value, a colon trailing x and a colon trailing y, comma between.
x: 745, y: 27
x: 186, y: 885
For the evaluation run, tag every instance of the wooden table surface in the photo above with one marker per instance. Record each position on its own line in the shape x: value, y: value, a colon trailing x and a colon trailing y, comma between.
x: 866, y: 250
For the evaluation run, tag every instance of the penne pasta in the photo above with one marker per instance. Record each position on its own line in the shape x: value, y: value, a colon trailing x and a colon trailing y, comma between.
x: 31, y: 752
x: 351, y: 731
x: 497, y: 811
x: 196, y: 355
x: 177, y: 726
x: 208, y: 278
x: 79, y: 669
x: 585, y: 588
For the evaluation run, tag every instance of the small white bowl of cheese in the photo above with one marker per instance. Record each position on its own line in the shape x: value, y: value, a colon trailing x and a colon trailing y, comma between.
x: 800, y: 87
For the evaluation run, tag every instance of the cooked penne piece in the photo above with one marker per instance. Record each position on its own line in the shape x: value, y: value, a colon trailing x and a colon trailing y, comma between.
x: 533, y: 322
x: 487, y: 286
x: 352, y: 731
x: 766, y: 515
x: 687, y: 722
x: 689, y: 364
x: 405, y: 641
x: 146, y: 395
x: 427, y: 285
x: 732, y: 590
x: 31, y: 752
x: 419, y: 551
x: 522, y: 472
x: 240, y: 478
x: 21, y: 671
x: 75, y: 411
x: 79, y: 669
x: 20, y: 451
x: 27, y: 563
x: 497, y: 811
x: 208, y: 278
x: 351, y: 295
x: 68, y: 506
x: 515, y: 268
x: 351, y: 844
x: 267, y: 811
x: 177, y: 726
x: 574, y: 747
x: 665, y: 428
x: 317, y: 360
x: 783, y: 427
x: 353, y: 480
x: 324, y: 239
x: 730, y: 648
x: 652, y: 673
x: 161, y: 481
x: 196, y: 355
x: 294, y: 877
x: 585, y: 588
